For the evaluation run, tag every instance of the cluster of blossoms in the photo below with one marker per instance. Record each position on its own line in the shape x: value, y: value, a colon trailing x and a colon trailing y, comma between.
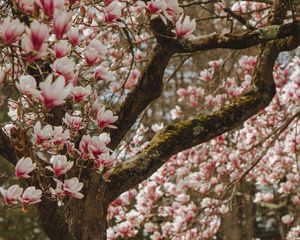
x: 69, y: 61
x: 15, y: 195
x: 187, y: 198
x: 200, y: 98
x: 258, y: 13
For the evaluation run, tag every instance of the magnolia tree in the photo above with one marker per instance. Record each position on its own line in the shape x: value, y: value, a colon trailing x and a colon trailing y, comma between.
x: 79, y: 78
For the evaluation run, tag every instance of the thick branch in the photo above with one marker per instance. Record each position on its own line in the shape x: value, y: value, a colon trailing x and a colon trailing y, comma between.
x: 262, y: 35
x: 149, y: 88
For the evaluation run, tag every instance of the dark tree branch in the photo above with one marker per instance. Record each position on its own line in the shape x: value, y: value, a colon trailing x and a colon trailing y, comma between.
x: 242, y: 41
x: 239, y: 18
x: 149, y: 86
x: 7, y: 151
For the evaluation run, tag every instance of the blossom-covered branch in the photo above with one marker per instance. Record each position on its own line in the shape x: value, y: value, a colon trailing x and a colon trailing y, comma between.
x: 237, y: 41
x: 203, y: 128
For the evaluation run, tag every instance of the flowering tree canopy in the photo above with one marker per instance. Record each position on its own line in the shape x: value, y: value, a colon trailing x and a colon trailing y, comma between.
x: 92, y: 149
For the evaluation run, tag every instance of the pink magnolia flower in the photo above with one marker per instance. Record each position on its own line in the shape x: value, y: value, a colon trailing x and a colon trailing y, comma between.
x: 184, y: 27
x: 111, y: 234
x: 105, y: 118
x: 287, y: 219
x: 126, y: 230
x: 11, y: 30
x: 64, y: 67
x: 113, y: 11
x: 62, y: 23
x: 60, y: 136
x: 60, y: 165
x: 69, y: 188
x: 73, y: 122
x: 84, y: 146
x: 103, y: 160
x: 101, y: 73
x: 37, y: 34
x: 105, y: 138
x: 72, y: 150
x: 99, y: 47
x: 26, y: 6
x: 23, y: 167
x: 176, y: 112
x: 31, y: 195
x: 62, y: 49
x: 96, y: 146
x: 240, y: 7
x: 172, y: 9
x: 42, y: 134
x: 296, y: 199
x: 133, y: 79
x: 268, y: 197
x: 157, y: 127
x: 11, y: 195
x: 74, y: 37
x: 26, y: 85
x: 91, y: 56
x: 81, y: 93
x: 48, y: 6
x: 33, y: 43
x: 33, y: 55
x: 94, y: 52
x: 206, y: 75
x: 156, y: 6
x: 215, y: 64
x: 54, y: 93
x: 107, y: 2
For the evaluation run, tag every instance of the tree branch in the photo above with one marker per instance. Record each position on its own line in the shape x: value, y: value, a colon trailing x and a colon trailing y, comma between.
x: 7, y: 151
x: 214, y: 40
x: 149, y: 86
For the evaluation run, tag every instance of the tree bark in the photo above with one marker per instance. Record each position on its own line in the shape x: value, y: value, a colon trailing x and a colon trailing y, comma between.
x: 86, y: 218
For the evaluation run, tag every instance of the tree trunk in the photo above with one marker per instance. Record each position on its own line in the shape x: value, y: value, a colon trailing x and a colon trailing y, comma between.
x: 78, y: 219
x: 86, y: 218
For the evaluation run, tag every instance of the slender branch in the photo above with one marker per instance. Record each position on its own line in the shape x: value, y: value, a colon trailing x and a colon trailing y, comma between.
x: 239, y: 18
x: 196, y: 2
